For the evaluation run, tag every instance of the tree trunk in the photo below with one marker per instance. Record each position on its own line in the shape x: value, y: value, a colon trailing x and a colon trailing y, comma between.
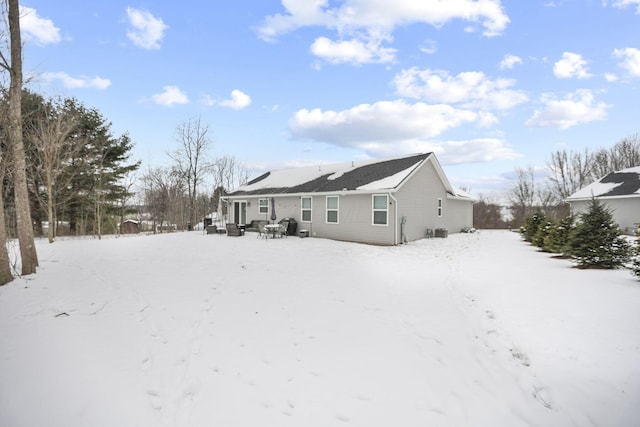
x: 28, y: 253
x: 50, y: 231
x: 5, y: 266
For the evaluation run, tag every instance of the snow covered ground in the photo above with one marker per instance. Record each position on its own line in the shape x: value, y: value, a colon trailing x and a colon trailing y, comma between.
x: 187, y: 329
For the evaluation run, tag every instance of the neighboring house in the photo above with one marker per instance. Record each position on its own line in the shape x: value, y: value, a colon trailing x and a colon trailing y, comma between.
x: 384, y: 202
x: 619, y: 191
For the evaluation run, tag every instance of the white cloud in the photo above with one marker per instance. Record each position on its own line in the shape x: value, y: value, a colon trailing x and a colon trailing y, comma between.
x: 381, y: 124
x: 469, y: 151
x: 472, y: 89
x: 352, y: 51
x: 611, y: 77
x: 171, y: 95
x: 571, y: 65
x: 630, y: 60
x: 574, y: 109
x: 146, y: 30
x: 625, y: 3
x: 429, y: 47
x: 509, y: 61
x: 42, y: 31
x: 363, y: 24
x: 81, y: 82
x: 238, y: 101
x: 394, y: 127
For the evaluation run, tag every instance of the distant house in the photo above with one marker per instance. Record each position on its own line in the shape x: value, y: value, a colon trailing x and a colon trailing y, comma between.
x: 619, y: 191
x: 384, y: 202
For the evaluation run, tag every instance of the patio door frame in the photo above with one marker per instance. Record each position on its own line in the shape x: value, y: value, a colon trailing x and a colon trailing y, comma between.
x: 240, y: 212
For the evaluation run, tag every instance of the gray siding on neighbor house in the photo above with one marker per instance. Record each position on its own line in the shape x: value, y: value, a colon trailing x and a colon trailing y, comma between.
x: 626, y: 211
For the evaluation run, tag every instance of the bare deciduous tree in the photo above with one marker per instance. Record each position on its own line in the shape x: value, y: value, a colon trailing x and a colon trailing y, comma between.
x: 523, y: 193
x: 164, y: 195
x: 49, y: 137
x: 626, y: 153
x: 13, y: 65
x: 191, y: 158
x: 569, y: 172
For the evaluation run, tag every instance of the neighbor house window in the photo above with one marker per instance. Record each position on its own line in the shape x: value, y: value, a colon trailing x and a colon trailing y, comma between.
x: 332, y: 209
x: 439, y: 207
x: 306, y: 209
x: 263, y: 206
x: 380, y: 209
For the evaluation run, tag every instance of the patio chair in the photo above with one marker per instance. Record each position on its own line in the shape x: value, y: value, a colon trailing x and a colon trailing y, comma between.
x: 234, y: 230
x: 261, y: 231
x: 282, y: 230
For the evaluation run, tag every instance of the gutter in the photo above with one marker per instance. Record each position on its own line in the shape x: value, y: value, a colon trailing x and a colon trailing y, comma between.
x: 395, y: 219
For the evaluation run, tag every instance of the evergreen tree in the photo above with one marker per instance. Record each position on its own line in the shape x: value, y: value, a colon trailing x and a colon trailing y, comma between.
x: 635, y: 265
x: 557, y: 240
x: 543, y: 231
x: 531, y: 225
x: 596, y: 241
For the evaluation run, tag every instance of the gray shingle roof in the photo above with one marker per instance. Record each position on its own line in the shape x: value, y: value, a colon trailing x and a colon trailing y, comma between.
x: 337, y: 177
x: 623, y: 183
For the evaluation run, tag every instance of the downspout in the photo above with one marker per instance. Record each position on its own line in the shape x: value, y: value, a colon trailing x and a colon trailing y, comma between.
x: 395, y: 219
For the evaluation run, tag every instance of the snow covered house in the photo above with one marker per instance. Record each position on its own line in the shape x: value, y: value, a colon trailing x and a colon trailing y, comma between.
x: 385, y: 202
x: 619, y: 191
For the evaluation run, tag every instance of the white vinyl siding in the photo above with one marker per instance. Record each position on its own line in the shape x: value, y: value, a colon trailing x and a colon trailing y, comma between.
x: 263, y: 206
x: 380, y: 204
x: 305, y: 209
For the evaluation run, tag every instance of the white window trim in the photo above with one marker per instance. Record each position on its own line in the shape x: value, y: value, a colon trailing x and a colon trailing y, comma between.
x: 303, y: 209
x: 336, y: 210
x: 439, y: 208
x: 374, y: 210
x: 260, y: 206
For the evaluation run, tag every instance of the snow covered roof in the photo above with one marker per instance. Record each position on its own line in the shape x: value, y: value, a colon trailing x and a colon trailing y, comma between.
x: 624, y: 183
x: 369, y: 175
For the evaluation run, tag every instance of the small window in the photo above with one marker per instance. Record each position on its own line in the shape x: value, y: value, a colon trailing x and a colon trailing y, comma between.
x: 305, y: 205
x: 439, y: 207
x: 332, y: 209
x: 380, y: 209
x: 263, y: 206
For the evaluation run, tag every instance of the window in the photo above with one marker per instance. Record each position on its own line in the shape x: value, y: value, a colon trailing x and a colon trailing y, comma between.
x: 380, y: 209
x: 332, y: 209
x: 263, y: 206
x: 439, y: 207
x: 305, y: 205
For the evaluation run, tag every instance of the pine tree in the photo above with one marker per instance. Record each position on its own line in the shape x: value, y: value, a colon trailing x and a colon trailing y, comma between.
x: 596, y: 241
x: 557, y: 240
x: 543, y: 231
x: 635, y: 265
x: 531, y: 226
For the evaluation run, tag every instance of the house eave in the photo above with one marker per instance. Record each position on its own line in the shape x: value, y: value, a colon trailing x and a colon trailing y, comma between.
x: 586, y: 199
x: 312, y: 193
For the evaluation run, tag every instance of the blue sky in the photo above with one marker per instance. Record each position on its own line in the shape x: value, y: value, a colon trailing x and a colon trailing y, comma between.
x: 487, y: 85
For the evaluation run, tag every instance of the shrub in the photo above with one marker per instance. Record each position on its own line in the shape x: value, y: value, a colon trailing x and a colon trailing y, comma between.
x: 596, y: 241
